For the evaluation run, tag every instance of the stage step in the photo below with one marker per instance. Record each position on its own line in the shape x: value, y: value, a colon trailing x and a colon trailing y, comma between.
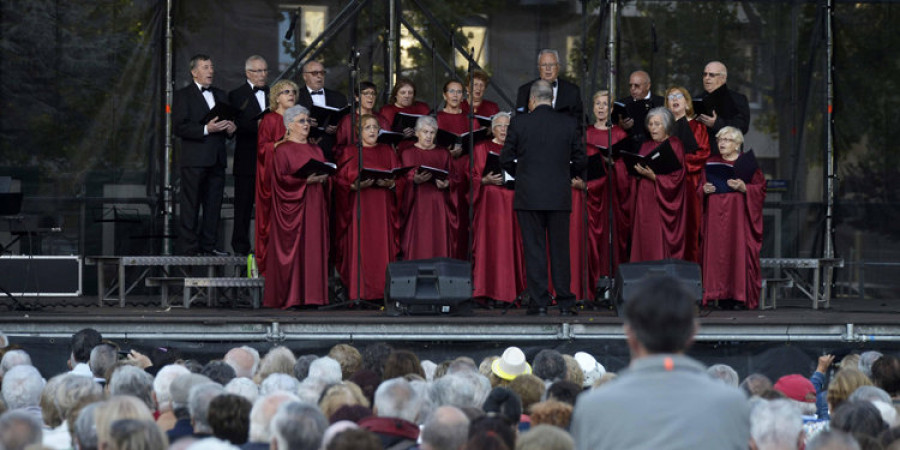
x: 770, y: 288
x: 254, y: 285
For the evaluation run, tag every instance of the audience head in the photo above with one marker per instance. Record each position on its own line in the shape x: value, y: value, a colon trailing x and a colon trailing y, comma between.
x: 530, y: 390
x: 504, y: 403
x: 552, y: 412
x: 298, y: 426
x: 401, y: 363
x: 279, y: 382
x: 355, y: 439
x: 210, y: 443
x: 198, y: 404
x: 325, y: 369
x: 180, y: 388
x: 495, y: 427
x: 775, y: 424
x: 723, y: 373
x: 244, y: 387
x: 832, y: 440
x: 12, y: 359
x: 660, y: 317
x: 886, y: 374
x: 843, y: 384
x: 341, y: 394
x: 755, y: 383
x: 219, y: 371
x: 116, y: 408
x: 162, y: 384
x: 510, y: 364
x: 866, y: 359
x: 549, y: 365
x: 22, y: 386
x: 590, y: 368
x: 103, y: 358
x: 335, y: 428
x: 18, y: 430
x: 564, y: 391
x: 348, y: 357
x: 83, y: 341
x: 352, y: 413
x: 130, y: 380
x: 262, y: 413
x: 301, y: 367
x: 84, y: 435
x: 278, y: 360
x: 545, y: 437
x: 49, y: 412
x: 396, y: 398
x: 446, y: 429
x: 242, y: 361
x: 134, y: 434
x: 74, y: 390
x: 229, y: 418
x: 869, y: 394
x: 858, y: 418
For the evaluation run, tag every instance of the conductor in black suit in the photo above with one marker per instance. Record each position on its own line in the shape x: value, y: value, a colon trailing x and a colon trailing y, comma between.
x: 203, y: 159
x: 316, y: 93
x: 251, y: 98
x: 566, y: 96
x: 542, y: 149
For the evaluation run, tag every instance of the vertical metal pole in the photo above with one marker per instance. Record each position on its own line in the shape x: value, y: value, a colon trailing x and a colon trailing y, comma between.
x: 393, y: 45
x: 167, y: 189
x: 610, y: 175
x: 829, y: 129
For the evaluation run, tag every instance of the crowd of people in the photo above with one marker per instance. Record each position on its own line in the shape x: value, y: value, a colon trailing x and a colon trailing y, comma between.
x: 379, y: 397
x: 545, y: 182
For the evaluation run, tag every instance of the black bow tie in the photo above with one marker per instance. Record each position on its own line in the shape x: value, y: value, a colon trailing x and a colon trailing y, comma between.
x: 203, y: 89
x: 553, y: 84
x: 319, y: 92
x: 259, y: 88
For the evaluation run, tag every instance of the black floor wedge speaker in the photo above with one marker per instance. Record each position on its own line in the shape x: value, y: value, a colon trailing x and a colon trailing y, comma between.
x: 630, y: 277
x: 428, y: 286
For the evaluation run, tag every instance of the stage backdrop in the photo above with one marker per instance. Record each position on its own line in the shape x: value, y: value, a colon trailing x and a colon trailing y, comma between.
x: 83, y: 97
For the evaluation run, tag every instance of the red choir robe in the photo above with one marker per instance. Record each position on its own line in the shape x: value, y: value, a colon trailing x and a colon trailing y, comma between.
x: 658, y: 223
x: 487, y: 108
x: 693, y: 165
x: 598, y: 209
x: 389, y: 111
x: 347, y: 136
x: 297, y: 272
x: 732, y: 229
x: 425, y: 211
x: 498, y: 269
x: 379, y: 225
x: 459, y: 192
x: 271, y: 130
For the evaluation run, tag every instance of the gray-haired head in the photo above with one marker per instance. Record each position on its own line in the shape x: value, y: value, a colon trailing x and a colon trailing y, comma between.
x: 74, y: 390
x: 496, y: 118
x: 541, y: 93
x: 279, y: 382
x: 869, y: 394
x: 550, y: 51
x: 219, y: 371
x: 446, y: 429
x: 299, y: 426
x: 85, y: 432
x: 12, y: 359
x: 776, y: 424
x: 292, y: 113
x: 198, y: 405
x: 103, y: 358
x: 723, y: 373
x: 130, y: 380
x: 832, y: 440
x: 866, y: 359
x: 212, y: 443
x: 326, y: 369
x: 22, y: 386
x: 4, y: 341
x: 19, y: 429
x: 248, y: 63
x: 301, y: 367
x: 244, y: 387
x: 665, y: 115
x: 163, y: 382
x: 426, y: 121
x: 397, y: 398
x: 262, y: 413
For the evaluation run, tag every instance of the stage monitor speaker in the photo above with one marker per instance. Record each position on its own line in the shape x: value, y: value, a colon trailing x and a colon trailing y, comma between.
x: 32, y: 276
x: 428, y: 286
x: 630, y: 276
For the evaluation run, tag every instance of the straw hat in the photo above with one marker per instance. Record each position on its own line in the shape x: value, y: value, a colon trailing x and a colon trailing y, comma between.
x: 511, y: 364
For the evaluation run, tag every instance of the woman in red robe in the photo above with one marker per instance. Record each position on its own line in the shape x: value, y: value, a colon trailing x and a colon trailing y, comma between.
x: 453, y: 119
x: 732, y: 230
x: 282, y: 96
x: 658, y: 227
x: 498, y: 269
x: 476, y: 84
x: 596, y: 249
x: 298, y: 241
x: 346, y: 135
x: 403, y: 99
x: 424, y: 199
x: 378, y: 222
x: 695, y: 141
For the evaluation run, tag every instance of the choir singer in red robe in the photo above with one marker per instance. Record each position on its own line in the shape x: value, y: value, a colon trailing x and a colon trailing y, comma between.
x: 403, y: 99
x: 476, y: 84
x: 298, y: 242
x: 453, y: 119
x: 377, y: 224
x: 282, y: 96
x: 732, y: 230
x: 695, y: 142
x: 425, y: 198
x: 366, y: 94
x: 658, y: 224
x: 498, y: 270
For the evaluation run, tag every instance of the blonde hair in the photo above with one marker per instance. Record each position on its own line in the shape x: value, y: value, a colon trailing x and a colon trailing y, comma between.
x: 276, y: 89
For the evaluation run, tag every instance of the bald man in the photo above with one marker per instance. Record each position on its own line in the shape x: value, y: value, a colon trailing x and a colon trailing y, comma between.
x: 639, y: 101
x: 722, y: 106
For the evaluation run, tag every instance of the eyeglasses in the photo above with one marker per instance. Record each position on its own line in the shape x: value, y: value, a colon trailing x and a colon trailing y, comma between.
x: 711, y: 74
x: 316, y: 73
x: 287, y: 91
x: 726, y: 139
x: 368, y: 93
x: 257, y: 70
x: 675, y: 96
x: 454, y: 91
x: 548, y: 65
x: 302, y: 121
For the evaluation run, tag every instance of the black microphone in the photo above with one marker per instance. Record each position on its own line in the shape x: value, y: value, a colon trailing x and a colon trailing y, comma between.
x: 290, y: 31
x: 653, y: 37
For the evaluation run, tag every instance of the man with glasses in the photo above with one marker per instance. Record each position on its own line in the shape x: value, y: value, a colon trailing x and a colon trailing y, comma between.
x: 251, y: 98
x: 566, y: 96
x: 637, y: 105
x: 315, y: 93
x: 719, y: 106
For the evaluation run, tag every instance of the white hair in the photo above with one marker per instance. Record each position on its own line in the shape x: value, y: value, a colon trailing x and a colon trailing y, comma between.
x: 311, y: 389
x: 724, y: 373
x: 244, y: 387
x: 198, y: 404
x: 397, y: 398
x: 888, y: 413
x: 12, y: 359
x: 256, y: 358
x: 326, y: 369
x: 163, y: 382
x: 551, y: 51
x: 866, y: 359
x: 262, y: 413
x: 278, y: 382
x: 212, y: 443
x: 130, y: 380
x: 775, y: 424
x: 22, y: 386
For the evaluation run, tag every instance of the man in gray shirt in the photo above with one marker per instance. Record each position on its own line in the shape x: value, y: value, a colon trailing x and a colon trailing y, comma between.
x: 664, y: 399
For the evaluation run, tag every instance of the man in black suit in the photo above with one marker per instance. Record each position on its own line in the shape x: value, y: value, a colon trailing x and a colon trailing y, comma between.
x: 730, y: 108
x: 203, y: 158
x: 251, y: 99
x: 539, y: 149
x: 566, y: 96
x: 316, y: 94
x: 638, y: 104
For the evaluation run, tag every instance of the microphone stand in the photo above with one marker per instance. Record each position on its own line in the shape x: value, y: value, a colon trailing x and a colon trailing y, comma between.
x: 471, y: 144
x: 434, y: 87
x: 610, y: 165
x: 585, y: 194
